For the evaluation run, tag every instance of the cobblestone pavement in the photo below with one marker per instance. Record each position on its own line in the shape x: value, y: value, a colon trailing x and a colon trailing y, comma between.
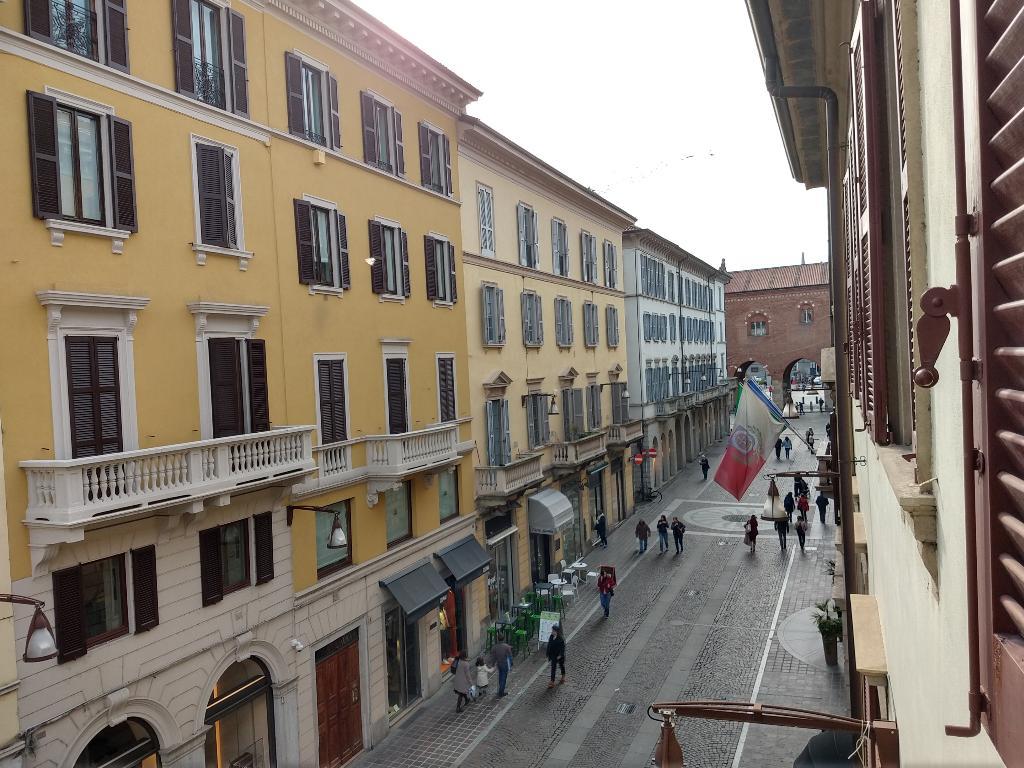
x: 695, y: 626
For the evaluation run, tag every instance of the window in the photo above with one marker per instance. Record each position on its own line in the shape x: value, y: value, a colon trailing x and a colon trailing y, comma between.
x: 590, y: 327
x: 435, y: 160
x: 74, y: 26
x: 90, y: 605
x: 485, y: 210
x: 559, y: 248
x: 398, y: 512
x: 538, y: 431
x: 526, y: 226
x: 389, y: 249
x: 563, y: 322
x: 499, y: 450
x: 588, y: 257
x: 321, y: 241
x: 224, y: 556
x: 759, y: 328
x: 492, y: 303
x: 533, y: 319
x: 239, y: 718
x: 806, y: 315
x: 446, y: 388
x: 672, y: 329
x: 234, y: 555
x: 648, y: 327
x: 572, y: 414
x: 448, y: 494
x: 397, y: 395
x: 312, y: 102
x: 593, y: 407
x: 620, y: 405
x: 440, y: 267
x: 611, y: 325
x: 94, y: 395
x: 238, y: 386
x: 200, y: 30
x: 216, y: 173
x: 611, y: 265
x: 329, y: 560
x: 333, y: 408
x: 383, y: 142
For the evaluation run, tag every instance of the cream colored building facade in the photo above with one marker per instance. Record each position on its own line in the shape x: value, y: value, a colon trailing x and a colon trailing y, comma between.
x: 547, y: 359
x: 11, y: 744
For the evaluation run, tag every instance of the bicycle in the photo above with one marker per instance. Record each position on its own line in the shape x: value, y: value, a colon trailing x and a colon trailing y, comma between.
x: 645, y: 494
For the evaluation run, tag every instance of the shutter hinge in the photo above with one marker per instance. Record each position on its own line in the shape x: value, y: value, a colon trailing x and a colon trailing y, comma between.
x: 970, y: 370
x: 978, y: 460
x: 965, y: 224
x: 938, y: 305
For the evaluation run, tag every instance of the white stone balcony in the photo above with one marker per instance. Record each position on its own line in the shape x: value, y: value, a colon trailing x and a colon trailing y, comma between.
x: 72, y: 493
x: 577, y: 452
x: 512, y: 478
x: 624, y: 434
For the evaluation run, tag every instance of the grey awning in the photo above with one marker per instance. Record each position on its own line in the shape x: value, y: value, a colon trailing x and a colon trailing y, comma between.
x: 418, y: 589
x: 549, y: 511
x: 465, y: 560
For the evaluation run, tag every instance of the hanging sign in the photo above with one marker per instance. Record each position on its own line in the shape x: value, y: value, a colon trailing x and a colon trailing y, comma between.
x: 548, y: 619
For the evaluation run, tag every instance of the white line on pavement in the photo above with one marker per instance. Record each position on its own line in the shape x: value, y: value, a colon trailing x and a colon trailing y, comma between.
x: 673, y: 505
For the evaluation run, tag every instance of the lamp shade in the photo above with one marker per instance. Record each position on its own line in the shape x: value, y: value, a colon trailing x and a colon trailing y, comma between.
x: 338, y: 539
x: 773, y: 509
x: 553, y: 408
x: 625, y: 394
x: 790, y: 411
x: 41, y: 645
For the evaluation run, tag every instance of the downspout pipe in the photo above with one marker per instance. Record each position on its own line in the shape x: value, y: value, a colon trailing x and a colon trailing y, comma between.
x: 837, y: 268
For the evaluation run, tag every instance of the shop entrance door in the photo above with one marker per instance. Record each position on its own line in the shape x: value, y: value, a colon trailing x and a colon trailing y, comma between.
x: 620, y: 491
x: 338, y: 712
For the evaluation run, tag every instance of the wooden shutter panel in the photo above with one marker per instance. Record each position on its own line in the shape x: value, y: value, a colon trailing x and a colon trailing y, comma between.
x: 144, y: 588
x: 369, y: 128
x: 293, y: 92
x: 446, y: 147
x: 210, y: 574
x: 68, y: 613
x: 377, y: 254
x: 521, y: 229
x: 525, y: 304
x: 37, y: 19
x: 116, y: 34
x: 213, y: 226
x: 500, y: 310
x: 304, y: 241
x: 399, y: 143
x: 341, y: 227
x: 446, y: 386
x: 123, y: 167
x: 239, y: 68
x: 531, y: 420
x: 226, y: 387
x: 335, y: 110
x: 397, y: 416
x: 229, y: 200
x: 424, y: 134
x: 263, y: 543
x: 259, y: 406
x: 94, y: 395
x: 453, y: 273
x: 431, y: 267
x: 331, y: 394
x: 42, y: 142
x: 406, y: 281
x: 184, y: 57
x: 506, y: 438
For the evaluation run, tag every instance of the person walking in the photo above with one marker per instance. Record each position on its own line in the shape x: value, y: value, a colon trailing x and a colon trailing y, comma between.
x: 464, y: 680
x: 822, y: 502
x: 501, y: 659
x: 643, y: 532
x: 803, y: 506
x: 602, y: 528
x: 556, y: 654
x: 821, y: 405
x: 810, y: 440
x: 828, y: 431
x: 799, y: 485
x: 678, y: 529
x: 778, y: 449
x: 483, y: 675
x: 801, y: 530
x: 662, y: 534
x: 750, y: 533
x: 704, y: 465
x: 782, y: 527
x: 789, y: 505
x: 787, y: 444
x: 606, y: 588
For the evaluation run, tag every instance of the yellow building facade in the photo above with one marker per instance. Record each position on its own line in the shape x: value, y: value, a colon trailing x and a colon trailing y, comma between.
x: 234, y: 265
x: 547, y: 360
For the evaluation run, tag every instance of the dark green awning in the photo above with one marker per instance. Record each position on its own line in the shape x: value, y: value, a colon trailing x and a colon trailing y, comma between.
x: 418, y: 589
x: 465, y: 559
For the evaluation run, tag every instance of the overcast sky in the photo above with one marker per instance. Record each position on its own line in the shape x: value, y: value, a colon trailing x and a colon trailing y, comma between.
x: 659, y: 106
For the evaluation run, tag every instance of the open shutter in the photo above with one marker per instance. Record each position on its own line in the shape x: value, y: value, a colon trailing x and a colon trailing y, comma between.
x: 500, y: 310
x: 259, y: 406
x: 559, y: 329
x: 226, y: 387
x: 567, y: 420
x: 263, y: 544
x: 556, y: 266
x: 447, y: 147
x: 38, y: 23
x: 538, y: 309
x: 229, y: 201
x: 521, y: 214
x: 424, y: 133
x: 304, y: 241
x: 534, y: 241
x: 397, y: 416
x: 532, y: 420
x: 211, y: 177
x: 369, y: 129
x: 331, y: 394
x: 399, y: 143
x: 453, y: 273
x: 583, y: 257
x: 341, y: 228
x: 377, y: 254
x: 123, y: 166
x: 42, y: 142
x: 431, y: 267
x: 210, y: 575
x: 489, y: 329
x: 293, y: 88
x: 446, y: 387
x: 506, y: 435
x: 526, y: 306
x: 68, y: 613
x: 184, y: 57
x: 144, y: 588
x: 332, y: 101
x: 406, y: 281
x: 116, y: 34
x: 239, y: 71
x: 577, y: 395
x: 94, y: 395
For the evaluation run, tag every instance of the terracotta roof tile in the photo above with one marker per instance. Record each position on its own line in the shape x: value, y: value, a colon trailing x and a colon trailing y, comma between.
x: 775, y: 278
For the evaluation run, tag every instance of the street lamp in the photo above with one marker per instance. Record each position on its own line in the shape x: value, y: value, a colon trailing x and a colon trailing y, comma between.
x: 773, y: 510
x: 40, y: 645
x: 337, y: 539
x: 552, y: 408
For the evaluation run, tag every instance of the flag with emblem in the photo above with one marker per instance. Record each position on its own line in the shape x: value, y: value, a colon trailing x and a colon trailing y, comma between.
x: 758, y: 425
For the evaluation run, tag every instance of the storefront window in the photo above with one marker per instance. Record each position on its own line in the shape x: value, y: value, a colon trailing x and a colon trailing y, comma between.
x: 401, y: 649
x: 131, y: 744
x: 501, y: 580
x: 103, y: 598
x: 571, y: 534
x: 595, y: 481
x: 398, y: 514
x: 234, y: 555
x: 241, y: 719
x: 453, y: 631
x: 329, y: 560
x: 448, y: 484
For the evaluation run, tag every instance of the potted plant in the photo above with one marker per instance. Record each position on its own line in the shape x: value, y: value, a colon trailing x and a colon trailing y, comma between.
x: 829, y: 621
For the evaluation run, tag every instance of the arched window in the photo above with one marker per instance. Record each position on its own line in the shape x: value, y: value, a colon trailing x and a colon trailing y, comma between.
x: 240, y: 717
x: 131, y: 744
x: 805, y: 313
x: 757, y: 324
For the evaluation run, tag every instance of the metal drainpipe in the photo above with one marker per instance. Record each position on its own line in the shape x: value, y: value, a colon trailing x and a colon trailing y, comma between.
x: 838, y: 297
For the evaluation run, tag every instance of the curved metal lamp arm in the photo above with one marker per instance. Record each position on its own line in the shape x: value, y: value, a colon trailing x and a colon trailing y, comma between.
x: 20, y: 600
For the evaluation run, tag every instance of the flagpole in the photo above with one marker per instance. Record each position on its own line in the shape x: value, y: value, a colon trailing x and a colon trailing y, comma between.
x: 775, y: 410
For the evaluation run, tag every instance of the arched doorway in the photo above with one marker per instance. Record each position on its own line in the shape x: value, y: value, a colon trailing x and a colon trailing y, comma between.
x: 680, y: 453
x: 132, y: 744
x: 652, y: 463
x: 800, y: 379
x: 664, y: 459
x: 669, y: 448
x: 241, y: 718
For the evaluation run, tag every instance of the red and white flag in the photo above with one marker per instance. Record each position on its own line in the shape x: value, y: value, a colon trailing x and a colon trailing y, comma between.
x: 758, y: 425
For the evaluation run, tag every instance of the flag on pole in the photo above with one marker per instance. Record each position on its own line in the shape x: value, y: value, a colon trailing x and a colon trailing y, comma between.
x: 758, y: 425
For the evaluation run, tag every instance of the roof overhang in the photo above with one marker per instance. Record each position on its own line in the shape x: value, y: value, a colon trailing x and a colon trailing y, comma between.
x: 809, y: 40
x: 651, y: 241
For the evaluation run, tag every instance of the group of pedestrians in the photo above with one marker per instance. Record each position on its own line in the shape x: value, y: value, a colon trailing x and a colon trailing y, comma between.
x: 643, y: 533
x: 471, y: 680
x: 783, y: 444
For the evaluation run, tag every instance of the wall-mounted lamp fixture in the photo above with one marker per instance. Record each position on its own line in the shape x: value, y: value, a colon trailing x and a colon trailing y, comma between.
x: 40, y: 645
x: 552, y: 407
x: 337, y: 539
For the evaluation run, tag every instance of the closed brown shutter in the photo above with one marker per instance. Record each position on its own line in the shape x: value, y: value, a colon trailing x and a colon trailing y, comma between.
x: 369, y: 128
x: 397, y: 416
x: 123, y: 167
x: 42, y: 141
x: 211, y: 177
x: 331, y: 394
x: 293, y: 85
x: 341, y: 227
x: 68, y: 613
x: 229, y: 201
x: 447, y: 148
x: 406, y: 282
x: 399, y: 144
x: 454, y: 272
x: 116, y: 34
x: 259, y: 405
x: 377, y: 254
x: 304, y: 241
x: 263, y: 539
x: 446, y: 387
x: 332, y: 96
x: 210, y: 575
x: 184, y: 58
x: 424, y: 155
x: 94, y: 395
x: 431, y: 265
x: 226, y: 387
x: 144, y: 588
x: 37, y: 19
x: 239, y: 68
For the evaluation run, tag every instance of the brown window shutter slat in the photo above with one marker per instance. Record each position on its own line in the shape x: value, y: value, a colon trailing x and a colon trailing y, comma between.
x: 226, y: 387
x: 293, y: 84
x: 331, y: 391
x: 424, y: 134
x: 38, y: 23
x: 341, y: 227
x: 42, y: 142
x: 144, y: 588
x: 230, y: 218
x: 407, y: 283
x: 377, y: 254
x: 304, y: 241
x: 369, y: 128
x: 399, y: 144
x: 210, y: 575
x: 116, y: 34
x: 184, y: 57
x: 94, y: 400
x: 431, y: 267
x: 446, y: 387
x: 68, y: 614
x: 239, y: 68
x: 397, y: 410
x: 263, y: 538
x: 108, y: 395
x: 259, y: 405
x: 123, y: 166
x: 332, y: 95
x: 447, y: 149
x: 454, y: 272
x: 210, y: 174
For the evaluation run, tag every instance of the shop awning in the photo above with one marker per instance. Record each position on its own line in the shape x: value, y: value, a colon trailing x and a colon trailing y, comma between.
x: 418, y: 589
x: 593, y: 470
x: 465, y: 560
x: 549, y: 511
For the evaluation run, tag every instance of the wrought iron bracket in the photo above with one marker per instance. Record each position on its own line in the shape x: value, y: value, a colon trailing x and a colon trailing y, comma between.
x: 938, y: 305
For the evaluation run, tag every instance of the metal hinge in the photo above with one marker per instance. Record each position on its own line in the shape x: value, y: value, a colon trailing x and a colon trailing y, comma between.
x: 970, y: 370
x: 938, y: 305
x: 978, y: 459
x: 965, y: 224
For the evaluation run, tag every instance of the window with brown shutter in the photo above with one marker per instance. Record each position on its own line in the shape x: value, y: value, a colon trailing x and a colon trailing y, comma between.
x: 42, y: 136
x: 435, y: 160
x: 223, y: 560
x: 383, y: 134
x: 430, y: 263
x: 69, y: 619
x: 116, y: 20
x: 94, y: 395
x: 239, y: 68
x: 215, y: 179
x: 446, y: 388
x: 398, y: 412
x: 331, y: 397
x: 259, y: 405
x: 263, y: 544
x: 184, y: 68
x: 341, y: 229
x: 377, y: 256
x: 210, y: 566
x: 208, y: 68
x: 144, y: 588
x: 226, y: 387
x: 304, y: 241
x: 406, y: 280
x: 123, y: 168
x: 90, y: 605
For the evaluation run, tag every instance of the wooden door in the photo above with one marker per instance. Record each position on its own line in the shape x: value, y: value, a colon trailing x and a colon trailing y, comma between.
x: 339, y: 717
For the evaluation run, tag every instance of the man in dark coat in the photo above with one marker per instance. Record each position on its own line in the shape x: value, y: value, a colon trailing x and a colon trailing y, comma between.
x: 782, y: 526
x: 704, y: 465
x: 556, y: 654
x: 602, y: 528
x: 778, y: 449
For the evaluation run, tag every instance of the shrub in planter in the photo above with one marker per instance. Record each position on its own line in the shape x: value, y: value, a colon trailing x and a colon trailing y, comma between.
x: 829, y: 621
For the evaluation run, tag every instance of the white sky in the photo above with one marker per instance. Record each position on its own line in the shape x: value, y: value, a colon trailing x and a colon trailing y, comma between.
x: 658, y: 105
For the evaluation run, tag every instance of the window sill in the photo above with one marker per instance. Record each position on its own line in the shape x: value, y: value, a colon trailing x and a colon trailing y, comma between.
x: 59, y: 227
x: 493, y: 345
x: 390, y: 298
x: 325, y: 290
x: 444, y: 305
x: 202, y: 251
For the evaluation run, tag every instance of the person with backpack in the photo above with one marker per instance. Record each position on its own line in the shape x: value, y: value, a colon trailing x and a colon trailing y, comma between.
x: 803, y: 506
x: 678, y: 529
x: 787, y: 444
x: 556, y: 654
x: 643, y: 532
x: 606, y: 589
x: 801, y: 530
x: 662, y: 534
x: 822, y: 502
x: 782, y: 528
x: 789, y: 505
x: 704, y: 465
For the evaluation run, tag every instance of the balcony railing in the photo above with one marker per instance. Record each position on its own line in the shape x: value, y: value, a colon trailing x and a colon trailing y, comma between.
x: 577, y: 452
x: 75, y: 491
x: 512, y: 478
x: 624, y: 434
x: 73, y: 28
x: 398, y: 455
x: 664, y: 407
x: 209, y: 81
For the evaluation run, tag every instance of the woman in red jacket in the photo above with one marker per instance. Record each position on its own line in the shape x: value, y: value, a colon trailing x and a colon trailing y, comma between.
x: 606, y: 587
x: 750, y: 527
